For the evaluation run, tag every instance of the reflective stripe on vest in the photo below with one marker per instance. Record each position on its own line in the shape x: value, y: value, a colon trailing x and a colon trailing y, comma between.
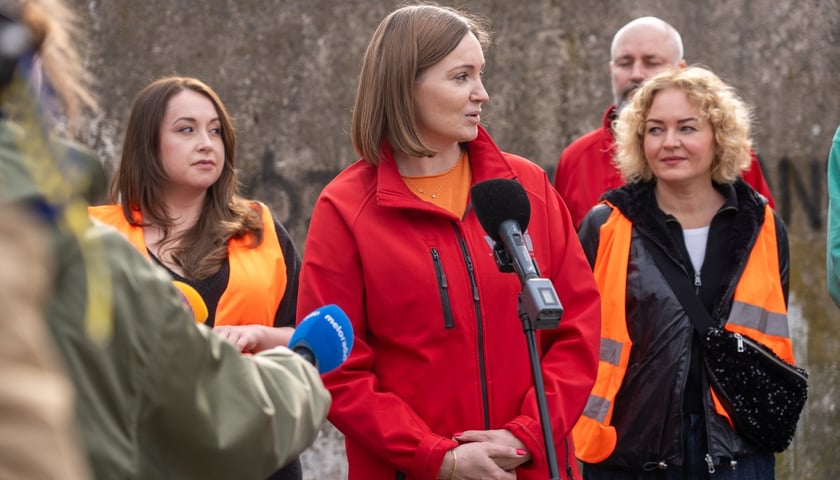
x: 758, y: 311
x: 593, y: 436
x: 257, y: 275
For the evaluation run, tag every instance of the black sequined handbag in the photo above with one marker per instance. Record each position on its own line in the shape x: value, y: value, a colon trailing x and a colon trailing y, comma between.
x: 763, y: 394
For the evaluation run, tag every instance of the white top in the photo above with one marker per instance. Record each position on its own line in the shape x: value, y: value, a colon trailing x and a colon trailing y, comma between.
x: 695, y: 243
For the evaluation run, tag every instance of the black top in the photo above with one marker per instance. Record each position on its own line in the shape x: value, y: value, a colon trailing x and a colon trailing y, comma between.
x: 212, y: 287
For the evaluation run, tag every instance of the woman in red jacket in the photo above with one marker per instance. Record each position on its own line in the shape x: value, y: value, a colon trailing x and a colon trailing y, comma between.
x: 438, y: 383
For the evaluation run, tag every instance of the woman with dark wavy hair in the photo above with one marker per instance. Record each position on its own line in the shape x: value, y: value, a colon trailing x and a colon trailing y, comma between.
x: 175, y: 197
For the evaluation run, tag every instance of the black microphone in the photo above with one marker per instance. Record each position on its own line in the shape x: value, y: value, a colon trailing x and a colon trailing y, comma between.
x: 504, y: 210
x: 324, y: 338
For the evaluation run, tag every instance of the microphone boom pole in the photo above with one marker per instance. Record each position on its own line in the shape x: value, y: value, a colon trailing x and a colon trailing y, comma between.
x: 503, y: 209
x: 539, y: 389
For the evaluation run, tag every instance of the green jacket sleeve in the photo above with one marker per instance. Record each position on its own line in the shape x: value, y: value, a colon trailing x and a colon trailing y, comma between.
x: 156, y: 395
x: 833, y: 218
x: 182, y: 402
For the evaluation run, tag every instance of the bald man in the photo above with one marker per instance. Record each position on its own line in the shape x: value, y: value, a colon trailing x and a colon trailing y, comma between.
x: 640, y: 49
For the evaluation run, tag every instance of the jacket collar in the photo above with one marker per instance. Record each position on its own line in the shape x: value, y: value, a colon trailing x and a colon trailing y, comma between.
x: 486, y: 162
x: 635, y: 200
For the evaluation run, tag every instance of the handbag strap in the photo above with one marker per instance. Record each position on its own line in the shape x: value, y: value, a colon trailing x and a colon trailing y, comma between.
x: 682, y: 287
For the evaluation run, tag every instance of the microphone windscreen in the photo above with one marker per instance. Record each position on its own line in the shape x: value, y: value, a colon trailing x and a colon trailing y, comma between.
x: 327, y: 334
x: 193, y: 301
x: 497, y: 200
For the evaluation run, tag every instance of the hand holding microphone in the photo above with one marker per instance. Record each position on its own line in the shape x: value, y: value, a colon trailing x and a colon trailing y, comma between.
x: 324, y: 338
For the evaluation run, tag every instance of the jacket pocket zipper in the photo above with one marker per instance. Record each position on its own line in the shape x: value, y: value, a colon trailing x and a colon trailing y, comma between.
x: 443, y: 289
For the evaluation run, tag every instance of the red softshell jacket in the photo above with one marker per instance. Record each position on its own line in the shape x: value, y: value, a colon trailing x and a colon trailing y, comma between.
x: 439, y: 345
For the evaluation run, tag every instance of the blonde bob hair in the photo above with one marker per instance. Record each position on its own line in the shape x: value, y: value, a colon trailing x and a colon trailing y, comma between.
x: 407, y: 42
x: 728, y: 115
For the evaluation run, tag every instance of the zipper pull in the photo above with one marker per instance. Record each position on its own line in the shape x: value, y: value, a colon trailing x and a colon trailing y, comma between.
x: 709, y: 462
x: 740, y: 342
x: 697, y: 282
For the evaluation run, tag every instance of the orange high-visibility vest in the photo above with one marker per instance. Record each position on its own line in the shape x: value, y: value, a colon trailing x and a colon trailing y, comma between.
x: 758, y: 311
x: 257, y: 275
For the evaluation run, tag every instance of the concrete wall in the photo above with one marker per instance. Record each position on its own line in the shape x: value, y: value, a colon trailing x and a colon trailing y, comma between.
x: 287, y: 69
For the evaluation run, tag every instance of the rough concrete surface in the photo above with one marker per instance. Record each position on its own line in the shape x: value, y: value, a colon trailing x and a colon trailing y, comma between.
x: 287, y: 72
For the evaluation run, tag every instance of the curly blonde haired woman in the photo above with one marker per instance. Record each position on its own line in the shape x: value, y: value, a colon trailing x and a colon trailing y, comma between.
x: 683, y: 142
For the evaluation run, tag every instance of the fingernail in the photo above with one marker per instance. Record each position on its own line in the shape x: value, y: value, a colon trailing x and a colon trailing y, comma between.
x: 521, y: 452
x: 457, y: 434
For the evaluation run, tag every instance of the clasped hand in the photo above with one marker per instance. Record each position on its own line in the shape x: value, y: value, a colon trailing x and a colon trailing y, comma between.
x: 484, y: 454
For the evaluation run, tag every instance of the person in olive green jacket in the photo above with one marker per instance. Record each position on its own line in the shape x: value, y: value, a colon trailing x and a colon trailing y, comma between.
x: 157, y: 396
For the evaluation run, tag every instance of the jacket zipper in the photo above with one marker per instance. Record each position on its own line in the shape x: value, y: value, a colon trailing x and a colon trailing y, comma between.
x: 710, y: 464
x: 570, y: 475
x: 707, y: 421
x: 478, y: 323
x: 697, y: 284
x: 443, y: 289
